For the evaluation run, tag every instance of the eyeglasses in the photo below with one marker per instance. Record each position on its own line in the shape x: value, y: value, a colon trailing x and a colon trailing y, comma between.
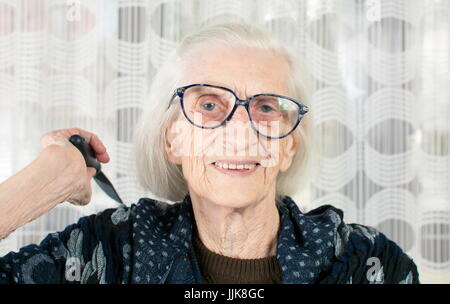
x: 209, y: 106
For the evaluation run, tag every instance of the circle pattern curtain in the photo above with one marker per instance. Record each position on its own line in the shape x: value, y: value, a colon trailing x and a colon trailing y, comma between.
x: 381, y: 101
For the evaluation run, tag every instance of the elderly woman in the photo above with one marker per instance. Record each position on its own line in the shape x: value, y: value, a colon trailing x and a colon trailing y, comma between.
x: 228, y: 139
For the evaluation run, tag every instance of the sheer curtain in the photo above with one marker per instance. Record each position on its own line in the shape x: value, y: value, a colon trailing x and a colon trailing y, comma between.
x: 381, y: 99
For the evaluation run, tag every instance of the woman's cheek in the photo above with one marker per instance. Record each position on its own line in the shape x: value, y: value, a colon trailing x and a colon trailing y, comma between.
x: 271, y: 154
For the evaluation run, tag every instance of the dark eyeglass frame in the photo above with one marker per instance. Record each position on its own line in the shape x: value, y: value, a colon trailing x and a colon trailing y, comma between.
x: 303, y: 109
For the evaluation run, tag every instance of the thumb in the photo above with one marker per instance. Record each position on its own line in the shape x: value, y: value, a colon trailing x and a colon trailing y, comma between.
x: 91, y: 172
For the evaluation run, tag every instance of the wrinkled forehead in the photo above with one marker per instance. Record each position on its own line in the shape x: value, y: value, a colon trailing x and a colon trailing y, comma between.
x: 247, y: 71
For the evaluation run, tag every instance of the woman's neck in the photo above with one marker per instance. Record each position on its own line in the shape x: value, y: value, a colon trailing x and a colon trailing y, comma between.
x: 243, y: 233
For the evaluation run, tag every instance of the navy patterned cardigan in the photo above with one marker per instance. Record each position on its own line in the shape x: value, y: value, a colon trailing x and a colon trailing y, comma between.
x: 150, y: 243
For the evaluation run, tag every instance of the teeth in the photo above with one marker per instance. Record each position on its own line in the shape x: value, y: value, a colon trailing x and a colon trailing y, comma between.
x: 234, y: 166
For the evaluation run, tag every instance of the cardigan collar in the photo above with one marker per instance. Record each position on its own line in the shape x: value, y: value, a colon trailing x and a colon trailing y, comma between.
x: 306, y: 242
x: 162, y: 237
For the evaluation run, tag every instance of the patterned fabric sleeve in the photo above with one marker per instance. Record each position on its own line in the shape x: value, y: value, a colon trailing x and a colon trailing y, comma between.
x: 366, y: 256
x: 94, y: 250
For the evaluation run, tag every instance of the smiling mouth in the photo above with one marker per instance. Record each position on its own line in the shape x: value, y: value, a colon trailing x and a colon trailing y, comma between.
x: 236, y: 166
x: 235, y: 169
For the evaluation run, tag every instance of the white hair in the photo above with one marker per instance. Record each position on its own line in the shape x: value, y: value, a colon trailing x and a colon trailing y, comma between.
x: 163, y: 178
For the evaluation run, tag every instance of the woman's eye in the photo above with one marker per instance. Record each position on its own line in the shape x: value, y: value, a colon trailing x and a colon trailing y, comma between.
x: 266, y: 108
x: 209, y: 106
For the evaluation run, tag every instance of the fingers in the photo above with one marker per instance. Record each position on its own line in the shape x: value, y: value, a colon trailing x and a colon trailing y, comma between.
x: 97, y: 145
x: 104, y: 158
x: 83, y: 196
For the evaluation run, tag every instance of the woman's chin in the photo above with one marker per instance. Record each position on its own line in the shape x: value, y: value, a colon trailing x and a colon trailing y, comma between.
x: 233, y: 198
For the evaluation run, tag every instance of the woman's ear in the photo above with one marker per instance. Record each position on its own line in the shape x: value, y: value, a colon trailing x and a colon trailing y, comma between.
x: 170, y: 145
x: 288, y: 150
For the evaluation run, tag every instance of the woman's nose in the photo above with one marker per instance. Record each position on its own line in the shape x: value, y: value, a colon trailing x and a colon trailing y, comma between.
x: 240, y: 115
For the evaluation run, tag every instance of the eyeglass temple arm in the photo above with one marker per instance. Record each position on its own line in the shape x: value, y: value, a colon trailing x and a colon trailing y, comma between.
x: 171, y: 99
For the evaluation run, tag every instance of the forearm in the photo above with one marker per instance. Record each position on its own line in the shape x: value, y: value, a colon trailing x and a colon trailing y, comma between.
x: 33, y: 191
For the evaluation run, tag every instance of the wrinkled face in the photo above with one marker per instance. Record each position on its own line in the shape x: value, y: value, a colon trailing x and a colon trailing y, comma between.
x: 231, y: 165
